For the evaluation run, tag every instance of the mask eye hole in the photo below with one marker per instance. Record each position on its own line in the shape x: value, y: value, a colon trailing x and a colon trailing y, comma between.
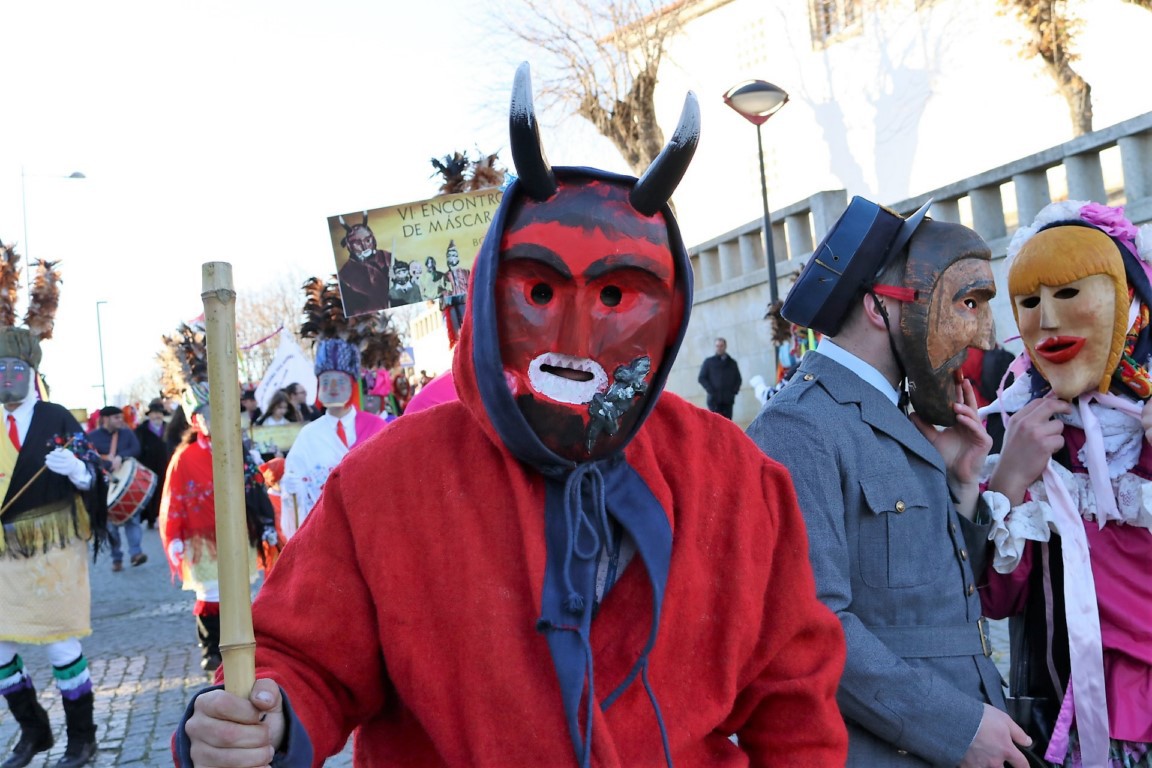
x: 541, y: 293
x: 1067, y: 293
x: 1030, y: 302
x: 610, y: 295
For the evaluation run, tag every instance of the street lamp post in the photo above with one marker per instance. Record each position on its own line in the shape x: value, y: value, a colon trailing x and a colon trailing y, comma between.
x: 756, y: 101
x: 100, y: 345
x: 24, y: 211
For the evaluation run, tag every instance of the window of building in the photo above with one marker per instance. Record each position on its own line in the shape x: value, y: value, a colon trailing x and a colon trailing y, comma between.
x: 833, y: 19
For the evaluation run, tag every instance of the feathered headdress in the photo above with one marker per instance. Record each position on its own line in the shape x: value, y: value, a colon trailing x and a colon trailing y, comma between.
x: 486, y: 172
x: 781, y: 328
x: 43, y: 300
x: 451, y: 168
x: 9, y: 284
x: 463, y: 174
x: 184, y: 367
x: 344, y: 344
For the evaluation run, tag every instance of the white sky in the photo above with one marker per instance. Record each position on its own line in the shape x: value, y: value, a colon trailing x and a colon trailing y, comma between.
x: 225, y: 131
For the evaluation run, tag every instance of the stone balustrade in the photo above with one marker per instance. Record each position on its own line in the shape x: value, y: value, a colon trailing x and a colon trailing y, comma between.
x: 1112, y: 165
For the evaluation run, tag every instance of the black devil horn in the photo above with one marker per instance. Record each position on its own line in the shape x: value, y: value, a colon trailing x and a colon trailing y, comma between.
x: 660, y: 180
x: 532, y: 168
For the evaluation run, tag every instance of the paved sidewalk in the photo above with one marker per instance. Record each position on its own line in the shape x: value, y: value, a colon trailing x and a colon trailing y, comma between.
x: 144, y: 663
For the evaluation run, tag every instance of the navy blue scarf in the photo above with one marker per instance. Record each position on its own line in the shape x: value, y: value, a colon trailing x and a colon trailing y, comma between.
x: 579, y: 512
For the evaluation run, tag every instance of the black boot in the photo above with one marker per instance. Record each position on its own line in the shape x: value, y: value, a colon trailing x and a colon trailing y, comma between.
x: 81, y: 732
x: 35, y: 730
x: 208, y: 631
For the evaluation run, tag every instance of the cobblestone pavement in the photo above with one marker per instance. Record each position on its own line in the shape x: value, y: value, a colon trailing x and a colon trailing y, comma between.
x: 145, y: 666
x: 144, y: 663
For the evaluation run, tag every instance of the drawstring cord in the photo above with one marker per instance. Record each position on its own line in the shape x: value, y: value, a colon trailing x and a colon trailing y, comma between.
x: 577, y: 521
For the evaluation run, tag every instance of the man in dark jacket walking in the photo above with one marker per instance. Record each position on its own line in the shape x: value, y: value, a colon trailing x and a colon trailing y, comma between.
x: 720, y: 377
x: 154, y: 454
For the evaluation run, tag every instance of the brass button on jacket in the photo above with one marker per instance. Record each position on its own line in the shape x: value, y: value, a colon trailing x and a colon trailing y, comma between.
x: 900, y: 506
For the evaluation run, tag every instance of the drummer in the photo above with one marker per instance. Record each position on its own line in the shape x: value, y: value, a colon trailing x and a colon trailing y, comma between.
x: 115, y: 443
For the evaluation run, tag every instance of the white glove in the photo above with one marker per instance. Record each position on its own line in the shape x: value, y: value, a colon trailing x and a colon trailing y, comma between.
x: 64, y: 462
x: 175, y: 553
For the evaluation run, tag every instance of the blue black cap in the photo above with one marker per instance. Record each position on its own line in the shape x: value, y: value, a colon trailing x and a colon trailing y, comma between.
x: 845, y: 264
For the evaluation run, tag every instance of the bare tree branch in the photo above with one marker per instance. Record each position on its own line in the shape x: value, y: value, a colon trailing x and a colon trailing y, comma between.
x: 1052, y: 29
x: 261, y: 313
x: 603, y: 63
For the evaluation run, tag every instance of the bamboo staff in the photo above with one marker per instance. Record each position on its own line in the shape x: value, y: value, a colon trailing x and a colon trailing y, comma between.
x: 237, y: 641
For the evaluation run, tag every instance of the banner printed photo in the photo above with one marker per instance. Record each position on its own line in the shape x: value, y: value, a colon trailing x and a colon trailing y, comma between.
x: 410, y: 253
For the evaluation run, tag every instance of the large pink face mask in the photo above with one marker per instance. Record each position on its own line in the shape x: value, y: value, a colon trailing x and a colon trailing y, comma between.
x: 585, y: 296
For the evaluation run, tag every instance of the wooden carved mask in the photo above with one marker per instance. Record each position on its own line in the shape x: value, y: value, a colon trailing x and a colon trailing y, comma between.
x: 949, y: 267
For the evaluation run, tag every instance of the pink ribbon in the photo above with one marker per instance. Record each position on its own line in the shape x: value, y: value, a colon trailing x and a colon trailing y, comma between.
x: 1084, y: 643
x: 1097, y: 461
x: 261, y: 341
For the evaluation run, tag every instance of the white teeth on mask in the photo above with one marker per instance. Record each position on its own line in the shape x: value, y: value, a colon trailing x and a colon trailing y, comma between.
x: 564, y: 390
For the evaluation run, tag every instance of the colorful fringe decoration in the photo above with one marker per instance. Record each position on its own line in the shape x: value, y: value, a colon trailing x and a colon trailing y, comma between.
x: 40, y: 529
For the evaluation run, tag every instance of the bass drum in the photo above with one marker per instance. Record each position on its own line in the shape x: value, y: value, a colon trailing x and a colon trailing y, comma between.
x: 129, y: 489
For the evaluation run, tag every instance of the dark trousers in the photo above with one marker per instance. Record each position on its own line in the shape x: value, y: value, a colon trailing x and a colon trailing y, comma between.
x: 724, y: 409
x: 208, y: 635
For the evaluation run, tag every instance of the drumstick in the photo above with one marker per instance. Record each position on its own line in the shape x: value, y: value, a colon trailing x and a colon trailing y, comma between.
x: 237, y: 641
x: 28, y: 484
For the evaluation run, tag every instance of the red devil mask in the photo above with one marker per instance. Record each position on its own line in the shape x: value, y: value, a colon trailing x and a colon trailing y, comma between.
x: 589, y: 292
x: 586, y: 309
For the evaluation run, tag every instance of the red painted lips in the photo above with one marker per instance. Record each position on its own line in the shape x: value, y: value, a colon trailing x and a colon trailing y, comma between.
x: 1060, y: 349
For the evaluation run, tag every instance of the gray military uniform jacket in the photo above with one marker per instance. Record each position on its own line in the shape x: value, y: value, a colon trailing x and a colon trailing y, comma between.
x: 893, y: 559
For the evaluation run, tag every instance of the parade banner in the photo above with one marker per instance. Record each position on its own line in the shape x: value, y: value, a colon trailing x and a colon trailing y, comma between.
x: 410, y: 253
x: 280, y: 438
x: 289, y: 366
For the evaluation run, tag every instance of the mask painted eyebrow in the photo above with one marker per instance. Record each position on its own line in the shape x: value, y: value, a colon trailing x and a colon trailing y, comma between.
x: 616, y: 262
x: 536, y: 252
x: 978, y: 286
